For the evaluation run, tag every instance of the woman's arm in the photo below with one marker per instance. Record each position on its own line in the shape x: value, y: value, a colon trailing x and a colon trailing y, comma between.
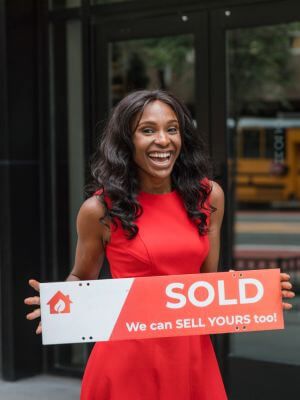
x: 89, y: 251
x: 216, y: 199
x: 91, y: 241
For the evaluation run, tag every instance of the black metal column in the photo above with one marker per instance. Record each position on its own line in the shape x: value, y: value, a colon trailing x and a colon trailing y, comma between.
x: 20, y: 256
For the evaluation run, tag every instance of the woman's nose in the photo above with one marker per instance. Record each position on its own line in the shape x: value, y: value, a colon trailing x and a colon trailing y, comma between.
x: 162, y: 138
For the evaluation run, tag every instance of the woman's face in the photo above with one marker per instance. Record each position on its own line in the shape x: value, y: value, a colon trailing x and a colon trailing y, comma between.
x: 157, y: 142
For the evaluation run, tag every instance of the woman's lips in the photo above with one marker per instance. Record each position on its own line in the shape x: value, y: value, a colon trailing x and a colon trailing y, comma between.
x: 160, y: 162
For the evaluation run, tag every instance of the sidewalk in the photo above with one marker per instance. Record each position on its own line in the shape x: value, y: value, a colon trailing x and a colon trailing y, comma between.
x: 41, y: 387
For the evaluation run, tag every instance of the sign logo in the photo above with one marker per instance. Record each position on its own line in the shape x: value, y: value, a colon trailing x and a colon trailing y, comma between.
x: 60, y: 303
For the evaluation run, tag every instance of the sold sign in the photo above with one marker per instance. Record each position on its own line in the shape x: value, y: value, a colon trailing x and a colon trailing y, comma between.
x: 162, y: 306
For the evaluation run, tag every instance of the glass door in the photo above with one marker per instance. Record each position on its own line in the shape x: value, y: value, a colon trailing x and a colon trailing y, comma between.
x: 167, y: 52
x: 261, y: 124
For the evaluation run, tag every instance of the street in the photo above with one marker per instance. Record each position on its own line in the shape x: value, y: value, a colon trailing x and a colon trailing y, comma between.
x: 41, y: 387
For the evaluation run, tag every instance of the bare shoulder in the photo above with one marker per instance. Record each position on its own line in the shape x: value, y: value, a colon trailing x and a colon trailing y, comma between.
x: 92, y: 207
x: 91, y: 211
x: 217, y: 201
x: 216, y: 195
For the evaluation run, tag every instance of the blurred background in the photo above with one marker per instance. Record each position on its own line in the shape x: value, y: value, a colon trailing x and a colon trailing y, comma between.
x: 64, y: 64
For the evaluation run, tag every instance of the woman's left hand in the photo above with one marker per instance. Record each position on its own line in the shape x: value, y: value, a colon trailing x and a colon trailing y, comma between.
x: 286, y: 290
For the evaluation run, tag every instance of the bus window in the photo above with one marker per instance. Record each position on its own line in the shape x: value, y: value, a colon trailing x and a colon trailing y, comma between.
x: 251, y: 143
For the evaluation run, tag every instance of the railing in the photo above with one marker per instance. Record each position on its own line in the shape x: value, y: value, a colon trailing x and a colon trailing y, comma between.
x: 290, y: 265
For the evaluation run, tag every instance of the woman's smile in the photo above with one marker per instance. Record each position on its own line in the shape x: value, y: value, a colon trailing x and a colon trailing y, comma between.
x: 161, y: 159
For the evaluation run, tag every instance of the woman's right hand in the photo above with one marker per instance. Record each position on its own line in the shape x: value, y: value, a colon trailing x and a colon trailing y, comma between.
x: 89, y: 252
x: 30, y: 301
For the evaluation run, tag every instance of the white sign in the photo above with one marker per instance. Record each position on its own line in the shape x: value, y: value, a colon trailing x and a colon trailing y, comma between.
x: 161, y: 306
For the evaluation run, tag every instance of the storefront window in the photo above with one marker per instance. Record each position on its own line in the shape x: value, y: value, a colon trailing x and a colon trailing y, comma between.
x: 67, y: 158
x: 166, y: 63
x: 109, y: 1
x: 59, y: 4
x: 264, y: 109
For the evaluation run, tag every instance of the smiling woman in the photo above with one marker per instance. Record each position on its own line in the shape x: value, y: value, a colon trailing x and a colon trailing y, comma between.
x: 159, y: 214
x: 143, y: 123
x: 152, y: 173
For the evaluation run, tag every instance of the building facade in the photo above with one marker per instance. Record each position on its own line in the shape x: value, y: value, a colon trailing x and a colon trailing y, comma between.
x: 235, y: 63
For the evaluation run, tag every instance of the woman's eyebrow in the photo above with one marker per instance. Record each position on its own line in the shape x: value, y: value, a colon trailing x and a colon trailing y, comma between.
x: 147, y: 123
x: 171, y: 121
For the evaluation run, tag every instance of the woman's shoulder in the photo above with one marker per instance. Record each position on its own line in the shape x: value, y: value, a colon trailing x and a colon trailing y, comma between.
x: 91, y: 210
x: 88, y: 224
x: 216, y: 200
x: 213, y: 189
x: 216, y: 192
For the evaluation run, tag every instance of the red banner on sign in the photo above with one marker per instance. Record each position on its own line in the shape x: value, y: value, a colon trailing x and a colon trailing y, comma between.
x: 180, y: 305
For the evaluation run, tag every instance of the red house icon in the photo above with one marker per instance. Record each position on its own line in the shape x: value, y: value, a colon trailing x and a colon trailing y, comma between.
x: 59, y: 303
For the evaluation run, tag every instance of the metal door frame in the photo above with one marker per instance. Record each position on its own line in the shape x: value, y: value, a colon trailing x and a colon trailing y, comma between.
x: 223, y: 19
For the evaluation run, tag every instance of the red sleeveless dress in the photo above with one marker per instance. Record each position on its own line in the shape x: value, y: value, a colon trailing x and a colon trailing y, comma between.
x: 180, y: 368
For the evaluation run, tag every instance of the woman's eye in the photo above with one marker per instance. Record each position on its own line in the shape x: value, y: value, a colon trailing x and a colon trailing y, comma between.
x: 173, y: 129
x: 147, y: 130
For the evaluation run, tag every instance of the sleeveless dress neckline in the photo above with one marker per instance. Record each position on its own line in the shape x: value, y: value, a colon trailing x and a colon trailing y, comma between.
x: 172, y: 192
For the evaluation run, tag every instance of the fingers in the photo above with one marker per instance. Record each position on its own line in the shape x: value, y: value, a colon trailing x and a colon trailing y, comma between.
x: 286, y: 291
x: 34, y: 284
x: 30, y: 301
x: 34, y: 300
x: 284, y: 277
x: 288, y: 294
x: 286, y: 306
x: 34, y: 314
x: 39, y: 329
x: 286, y: 285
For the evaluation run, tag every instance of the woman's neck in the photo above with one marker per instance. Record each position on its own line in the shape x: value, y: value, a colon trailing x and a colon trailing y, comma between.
x: 156, y: 187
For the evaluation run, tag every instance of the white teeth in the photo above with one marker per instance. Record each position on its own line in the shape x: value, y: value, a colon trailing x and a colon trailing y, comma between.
x: 160, y: 155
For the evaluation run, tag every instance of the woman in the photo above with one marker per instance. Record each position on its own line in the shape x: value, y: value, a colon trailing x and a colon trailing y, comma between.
x: 159, y: 214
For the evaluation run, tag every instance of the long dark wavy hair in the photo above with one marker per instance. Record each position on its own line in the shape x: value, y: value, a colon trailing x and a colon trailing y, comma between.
x: 114, y: 172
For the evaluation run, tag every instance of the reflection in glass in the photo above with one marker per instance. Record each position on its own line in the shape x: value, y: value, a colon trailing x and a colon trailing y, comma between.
x: 250, y: 143
x: 264, y: 166
x: 57, y: 4
x: 109, y: 1
x: 166, y: 63
x: 66, y: 101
